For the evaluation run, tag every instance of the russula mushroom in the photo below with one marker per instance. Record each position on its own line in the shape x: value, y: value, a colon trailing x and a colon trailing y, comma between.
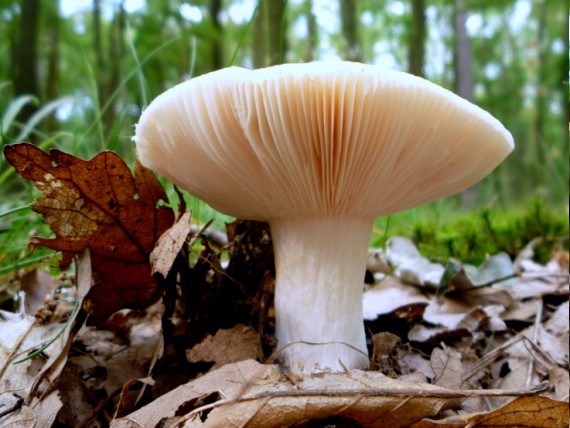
x: 318, y: 150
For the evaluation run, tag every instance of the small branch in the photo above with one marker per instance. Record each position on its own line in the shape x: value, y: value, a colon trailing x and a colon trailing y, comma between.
x: 536, y: 329
x: 381, y: 392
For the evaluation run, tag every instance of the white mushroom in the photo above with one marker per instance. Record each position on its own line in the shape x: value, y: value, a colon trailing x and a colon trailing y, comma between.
x: 318, y: 150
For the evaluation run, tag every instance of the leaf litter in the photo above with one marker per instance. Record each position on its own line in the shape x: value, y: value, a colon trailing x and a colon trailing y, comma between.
x: 99, y: 204
x: 175, y: 325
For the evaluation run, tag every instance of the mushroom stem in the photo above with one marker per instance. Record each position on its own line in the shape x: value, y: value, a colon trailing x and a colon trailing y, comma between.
x: 320, y: 266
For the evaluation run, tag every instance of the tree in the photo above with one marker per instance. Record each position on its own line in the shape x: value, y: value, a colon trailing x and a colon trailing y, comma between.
x: 25, y: 55
x: 463, y: 74
x: 349, y: 27
x: 269, y: 41
x: 462, y: 53
x: 109, y: 77
x: 53, y: 58
x: 217, y: 47
x: 417, y: 38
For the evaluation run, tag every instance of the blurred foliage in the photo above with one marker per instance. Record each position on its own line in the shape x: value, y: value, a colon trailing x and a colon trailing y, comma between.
x: 96, y: 65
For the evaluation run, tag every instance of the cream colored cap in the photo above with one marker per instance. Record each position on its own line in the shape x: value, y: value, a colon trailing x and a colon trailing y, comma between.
x: 322, y: 138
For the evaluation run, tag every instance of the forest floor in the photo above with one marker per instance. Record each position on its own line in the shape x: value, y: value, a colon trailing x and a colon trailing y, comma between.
x: 450, y: 345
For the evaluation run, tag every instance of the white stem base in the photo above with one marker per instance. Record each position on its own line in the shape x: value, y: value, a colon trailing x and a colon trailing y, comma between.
x: 320, y: 266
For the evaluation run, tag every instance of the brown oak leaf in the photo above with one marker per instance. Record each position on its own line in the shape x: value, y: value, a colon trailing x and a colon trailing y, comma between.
x: 99, y: 204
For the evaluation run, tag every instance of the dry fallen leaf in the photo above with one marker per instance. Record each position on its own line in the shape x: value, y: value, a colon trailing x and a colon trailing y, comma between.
x: 448, y: 368
x: 169, y: 245
x: 536, y: 412
x: 99, y: 204
x: 249, y: 394
x: 227, y: 346
x: 531, y: 412
x: 32, y: 379
x: 410, y: 266
x: 309, y: 399
x: 389, y: 295
x: 38, y: 285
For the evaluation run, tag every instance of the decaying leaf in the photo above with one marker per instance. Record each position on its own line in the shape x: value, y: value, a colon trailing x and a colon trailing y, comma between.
x: 169, y: 245
x: 31, y: 380
x: 389, y: 295
x: 384, y: 352
x: 37, y: 285
x: 535, y: 412
x: 448, y: 368
x: 249, y: 394
x: 248, y: 379
x: 410, y: 265
x: 99, y: 204
x: 227, y: 346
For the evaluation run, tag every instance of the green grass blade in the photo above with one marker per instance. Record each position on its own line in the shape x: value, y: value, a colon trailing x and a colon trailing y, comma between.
x: 97, y: 120
x: 14, y: 108
x: 140, y: 76
x: 21, y: 264
x: 14, y: 210
x: 40, y: 115
x: 59, y: 333
x: 242, y: 36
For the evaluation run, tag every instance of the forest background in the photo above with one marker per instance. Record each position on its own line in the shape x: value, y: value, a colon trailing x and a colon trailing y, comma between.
x: 76, y: 74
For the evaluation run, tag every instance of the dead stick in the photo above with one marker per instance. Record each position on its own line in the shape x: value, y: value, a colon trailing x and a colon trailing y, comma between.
x: 380, y: 392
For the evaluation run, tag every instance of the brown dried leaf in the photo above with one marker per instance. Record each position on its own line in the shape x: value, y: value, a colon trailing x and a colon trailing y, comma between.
x: 169, y: 245
x: 99, y: 204
x: 448, y: 368
x: 227, y: 346
x: 340, y: 394
x: 32, y: 380
x: 536, y: 412
x: 38, y: 285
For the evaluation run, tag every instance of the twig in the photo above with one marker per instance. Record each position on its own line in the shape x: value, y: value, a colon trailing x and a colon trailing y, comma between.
x: 381, y: 392
x: 491, y: 356
x: 537, y: 321
x: 492, y: 282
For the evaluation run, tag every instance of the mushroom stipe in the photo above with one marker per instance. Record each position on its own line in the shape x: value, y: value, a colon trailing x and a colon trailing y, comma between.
x: 318, y: 150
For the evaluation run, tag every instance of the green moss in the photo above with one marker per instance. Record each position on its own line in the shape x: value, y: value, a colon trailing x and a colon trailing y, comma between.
x: 470, y: 237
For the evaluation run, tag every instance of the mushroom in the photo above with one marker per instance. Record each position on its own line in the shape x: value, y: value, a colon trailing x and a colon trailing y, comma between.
x: 318, y: 150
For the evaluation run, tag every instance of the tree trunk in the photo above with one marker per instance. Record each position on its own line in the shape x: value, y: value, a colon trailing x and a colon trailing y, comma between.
x: 312, y: 36
x: 463, y: 55
x: 541, y: 98
x: 269, y: 29
x: 349, y: 28
x: 53, y: 55
x: 258, y: 40
x: 463, y: 75
x: 100, y: 68
x: 417, y: 38
x: 217, y: 48
x: 26, y: 56
x: 97, y: 41
x: 564, y: 101
x: 116, y: 51
x: 276, y: 30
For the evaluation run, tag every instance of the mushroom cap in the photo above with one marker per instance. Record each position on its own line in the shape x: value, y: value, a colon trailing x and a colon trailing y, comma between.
x: 317, y: 138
